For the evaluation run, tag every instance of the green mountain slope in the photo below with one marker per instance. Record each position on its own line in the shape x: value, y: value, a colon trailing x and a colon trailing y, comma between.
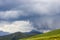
x: 53, y: 35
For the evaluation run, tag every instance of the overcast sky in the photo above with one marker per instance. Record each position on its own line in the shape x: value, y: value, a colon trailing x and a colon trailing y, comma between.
x: 27, y: 15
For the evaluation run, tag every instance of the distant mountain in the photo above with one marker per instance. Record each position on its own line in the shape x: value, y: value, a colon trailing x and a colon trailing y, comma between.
x: 19, y: 35
x: 53, y: 35
x: 13, y: 36
x: 33, y: 32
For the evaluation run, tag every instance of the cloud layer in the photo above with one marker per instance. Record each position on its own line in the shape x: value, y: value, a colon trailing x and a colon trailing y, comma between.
x: 41, y: 14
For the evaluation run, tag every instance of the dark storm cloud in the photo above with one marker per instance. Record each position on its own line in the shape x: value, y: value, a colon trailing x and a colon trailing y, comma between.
x: 40, y: 13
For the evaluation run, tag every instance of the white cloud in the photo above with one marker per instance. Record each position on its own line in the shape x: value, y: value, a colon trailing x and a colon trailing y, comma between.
x: 17, y: 26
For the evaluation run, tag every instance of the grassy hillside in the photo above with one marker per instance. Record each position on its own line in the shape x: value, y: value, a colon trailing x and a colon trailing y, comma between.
x: 53, y: 35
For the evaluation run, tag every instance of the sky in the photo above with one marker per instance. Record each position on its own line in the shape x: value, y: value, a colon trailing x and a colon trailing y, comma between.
x: 28, y: 15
